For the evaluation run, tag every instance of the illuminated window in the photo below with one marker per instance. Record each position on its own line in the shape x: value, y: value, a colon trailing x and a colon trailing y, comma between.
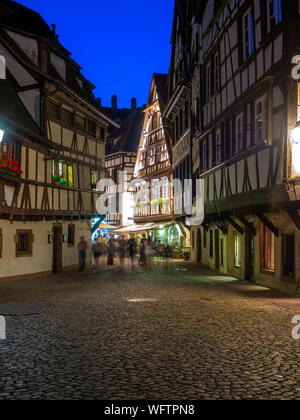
x: 248, y: 34
x: 63, y: 173
x: 94, y: 178
x: 7, y: 149
x: 237, y: 250
x: 165, y: 188
x: 274, y: 11
x: 267, y: 248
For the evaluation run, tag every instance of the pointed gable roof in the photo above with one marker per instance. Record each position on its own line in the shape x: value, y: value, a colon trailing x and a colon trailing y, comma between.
x: 127, y: 137
x: 160, y: 85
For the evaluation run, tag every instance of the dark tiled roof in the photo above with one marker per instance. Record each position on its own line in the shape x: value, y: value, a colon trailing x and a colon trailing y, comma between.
x: 15, y: 15
x: 118, y: 115
x: 128, y: 135
x: 13, y: 115
x: 161, y: 82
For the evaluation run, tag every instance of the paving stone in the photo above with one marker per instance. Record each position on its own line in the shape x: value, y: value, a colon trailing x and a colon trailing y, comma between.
x: 205, y: 336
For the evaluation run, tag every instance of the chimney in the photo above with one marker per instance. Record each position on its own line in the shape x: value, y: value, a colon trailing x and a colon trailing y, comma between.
x: 133, y: 104
x: 99, y: 103
x: 114, y: 102
x: 53, y: 28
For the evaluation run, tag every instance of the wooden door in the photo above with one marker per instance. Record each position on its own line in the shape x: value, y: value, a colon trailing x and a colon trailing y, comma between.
x: 199, y: 246
x: 249, y: 255
x: 217, y: 250
x: 57, y: 248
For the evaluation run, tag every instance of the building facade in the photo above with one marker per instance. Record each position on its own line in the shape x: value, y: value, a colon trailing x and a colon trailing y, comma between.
x: 245, y: 105
x: 121, y: 153
x: 52, y: 148
x: 153, y: 171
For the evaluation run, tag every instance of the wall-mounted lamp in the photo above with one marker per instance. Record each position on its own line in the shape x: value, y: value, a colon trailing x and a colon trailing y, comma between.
x: 1, y: 135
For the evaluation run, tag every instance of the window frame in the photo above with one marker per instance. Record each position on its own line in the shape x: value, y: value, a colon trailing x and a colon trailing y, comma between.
x: 65, y: 170
x: 71, y: 235
x: 30, y: 238
x: 218, y: 147
x: 217, y: 81
x: 239, y: 133
x: 248, y: 34
x: 208, y: 81
x: 264, y: 265
x: 290, y: 277
x: 276, y: 14
x: 263, y: 115
x: 237, y: 250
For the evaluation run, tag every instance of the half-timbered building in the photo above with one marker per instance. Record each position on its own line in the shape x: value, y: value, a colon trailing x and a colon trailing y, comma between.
x: 52, y: 148
x: 121, y: 153
x: 246, y: 104
x: 177, y: 113
x: 154, y: 206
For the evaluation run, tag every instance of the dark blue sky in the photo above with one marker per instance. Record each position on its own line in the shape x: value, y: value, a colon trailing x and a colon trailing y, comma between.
x: 118, y: 43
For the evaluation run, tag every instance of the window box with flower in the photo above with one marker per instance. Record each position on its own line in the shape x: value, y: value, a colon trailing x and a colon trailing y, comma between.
x: 9, y: 166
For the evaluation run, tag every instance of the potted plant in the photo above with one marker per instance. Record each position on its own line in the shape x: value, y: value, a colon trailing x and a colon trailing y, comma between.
x: 10, y: 166
x: 60, y: 179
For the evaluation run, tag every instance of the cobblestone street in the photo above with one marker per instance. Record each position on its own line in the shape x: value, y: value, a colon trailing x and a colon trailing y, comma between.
x: 200, y: 336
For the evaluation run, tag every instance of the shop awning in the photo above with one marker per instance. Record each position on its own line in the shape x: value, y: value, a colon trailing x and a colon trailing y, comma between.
x: 135, y: 228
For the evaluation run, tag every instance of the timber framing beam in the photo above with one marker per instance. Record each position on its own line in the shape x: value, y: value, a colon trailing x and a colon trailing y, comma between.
x: 222, y: 227
x: 247, y: 224
x: 235, y: 225
x: 294, y: 215
x: 268, y: 224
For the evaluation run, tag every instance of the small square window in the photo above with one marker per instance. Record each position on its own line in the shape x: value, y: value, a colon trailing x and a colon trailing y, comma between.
x: 24, y: 241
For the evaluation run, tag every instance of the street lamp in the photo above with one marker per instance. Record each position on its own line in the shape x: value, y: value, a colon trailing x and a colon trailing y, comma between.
x: 295, y: 145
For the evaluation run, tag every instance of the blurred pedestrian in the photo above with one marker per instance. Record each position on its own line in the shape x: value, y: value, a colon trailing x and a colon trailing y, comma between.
x: 149, y: 251
x: 142, y: 249
x: 82, y: 248
x: 122, y: 250
x: 110, y: 252
x: 97, y: 251
x: 132, y: 249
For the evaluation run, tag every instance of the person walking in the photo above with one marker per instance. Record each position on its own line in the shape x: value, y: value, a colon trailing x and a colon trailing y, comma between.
x: 142, y: 249
x: 82, y: 248
x: 110, y: 252
x: 97, y: 251
x: 149, y: 251
x: 122, y: 250
x: 132, y: 249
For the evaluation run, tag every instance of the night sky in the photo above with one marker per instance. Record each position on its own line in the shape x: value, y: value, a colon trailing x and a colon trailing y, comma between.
x: 118, y: 43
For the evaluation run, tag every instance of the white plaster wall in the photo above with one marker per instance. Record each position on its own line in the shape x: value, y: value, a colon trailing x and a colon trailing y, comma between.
x: 41, y: 259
